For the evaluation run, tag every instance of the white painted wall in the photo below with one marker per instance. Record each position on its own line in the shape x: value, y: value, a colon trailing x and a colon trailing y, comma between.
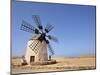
x: 41, y: 51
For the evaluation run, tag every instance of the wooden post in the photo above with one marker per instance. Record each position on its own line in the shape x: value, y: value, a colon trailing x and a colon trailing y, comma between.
x: 49, y: 57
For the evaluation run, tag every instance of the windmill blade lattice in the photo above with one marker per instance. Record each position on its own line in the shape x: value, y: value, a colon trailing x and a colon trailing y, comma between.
x: 52, y: 38
x: 37, y: 21
x: 48, y: 28
x: 50, y: 49
x: 27, y: 27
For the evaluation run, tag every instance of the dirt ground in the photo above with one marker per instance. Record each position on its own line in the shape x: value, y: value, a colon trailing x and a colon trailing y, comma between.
x: 63, y: 64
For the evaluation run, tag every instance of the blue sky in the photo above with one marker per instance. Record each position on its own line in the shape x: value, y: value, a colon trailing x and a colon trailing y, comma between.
x: 74, y: 26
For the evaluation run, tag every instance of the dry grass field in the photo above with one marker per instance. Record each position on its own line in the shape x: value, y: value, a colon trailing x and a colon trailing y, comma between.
x: 63, y: 64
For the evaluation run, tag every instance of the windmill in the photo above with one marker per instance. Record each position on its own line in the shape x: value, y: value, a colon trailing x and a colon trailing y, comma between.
x: 39, y: 44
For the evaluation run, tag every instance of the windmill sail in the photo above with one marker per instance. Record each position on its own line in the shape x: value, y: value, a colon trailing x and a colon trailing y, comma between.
x: 48, y: 28
x: 52, y: 38
x: 37, y: 21
x: 51, y: 49
x: 27, y: 27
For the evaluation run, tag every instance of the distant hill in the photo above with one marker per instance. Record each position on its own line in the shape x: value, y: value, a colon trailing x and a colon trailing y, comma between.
x: 88, y: 55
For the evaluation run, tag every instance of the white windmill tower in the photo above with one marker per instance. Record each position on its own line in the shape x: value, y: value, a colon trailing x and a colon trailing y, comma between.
x: 38, y: 46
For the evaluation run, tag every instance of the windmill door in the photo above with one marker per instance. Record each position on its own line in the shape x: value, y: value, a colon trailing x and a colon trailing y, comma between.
x: 32, y: 58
